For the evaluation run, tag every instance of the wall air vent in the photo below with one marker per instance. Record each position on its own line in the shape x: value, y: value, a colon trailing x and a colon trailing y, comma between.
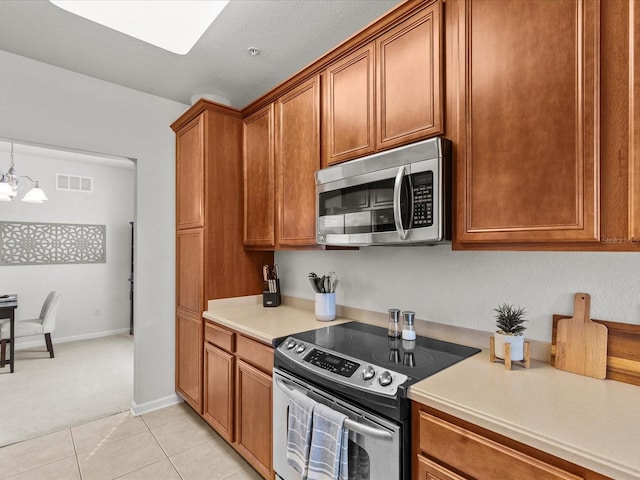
x: 74, y: 183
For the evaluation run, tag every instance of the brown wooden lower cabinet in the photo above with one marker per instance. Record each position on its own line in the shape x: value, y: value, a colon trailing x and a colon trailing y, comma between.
x: 254, y: 417
x: 219, y: 372
x: 446, y: 448
x: 238, y: 395
x: 189, y: 358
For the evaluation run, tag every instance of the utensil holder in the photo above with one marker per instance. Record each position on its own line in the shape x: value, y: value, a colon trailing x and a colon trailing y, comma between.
x: 325, y: 306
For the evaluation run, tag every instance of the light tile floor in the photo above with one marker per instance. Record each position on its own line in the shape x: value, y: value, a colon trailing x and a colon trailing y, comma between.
x: 169, y: 444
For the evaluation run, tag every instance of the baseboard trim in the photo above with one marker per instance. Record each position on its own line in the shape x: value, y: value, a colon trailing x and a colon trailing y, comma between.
x: 141, y: 408
x: 87, y: 336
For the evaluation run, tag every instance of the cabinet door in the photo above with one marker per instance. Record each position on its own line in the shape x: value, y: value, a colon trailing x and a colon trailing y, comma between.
x: 348, y: 110
x: 634, y: 116
x: 528, y: 154
x: 254, y: 417
x: 298, y: 157
x: 218, y: 390
x: 259, y: 179
x: 189, y: 359
x: 428, y: 470
x: 190, y: 171
x: 189, y: 270
x: 409, y: 89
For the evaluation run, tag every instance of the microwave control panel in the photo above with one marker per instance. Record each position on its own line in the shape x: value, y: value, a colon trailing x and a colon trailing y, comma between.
x: 422, y: 199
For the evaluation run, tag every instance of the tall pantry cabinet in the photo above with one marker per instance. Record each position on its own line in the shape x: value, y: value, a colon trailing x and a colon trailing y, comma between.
x: 211, y: 261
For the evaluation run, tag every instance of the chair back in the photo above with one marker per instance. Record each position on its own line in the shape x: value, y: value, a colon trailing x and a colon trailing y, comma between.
x: 45, y: 305
x: 49, y: 319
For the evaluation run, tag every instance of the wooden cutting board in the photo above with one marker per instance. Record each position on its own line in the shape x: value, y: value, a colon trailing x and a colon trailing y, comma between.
x: 623, y: 349
x: 581, y: 344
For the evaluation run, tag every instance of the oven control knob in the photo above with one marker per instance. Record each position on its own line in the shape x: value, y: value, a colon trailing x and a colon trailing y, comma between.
x: 385, y: 379
x: 301, y: 348
x: 368, y: 373
x: 290, y: 344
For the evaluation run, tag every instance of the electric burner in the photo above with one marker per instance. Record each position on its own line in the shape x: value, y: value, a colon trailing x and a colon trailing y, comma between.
x: 417, y: 359
x: 360, y: 362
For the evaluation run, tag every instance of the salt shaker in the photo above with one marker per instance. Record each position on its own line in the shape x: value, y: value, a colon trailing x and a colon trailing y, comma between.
x: 395, y: 329
x: 408, y: 329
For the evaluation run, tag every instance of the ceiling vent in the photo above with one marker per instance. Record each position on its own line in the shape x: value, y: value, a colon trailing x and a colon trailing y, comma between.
x: 74, y: 183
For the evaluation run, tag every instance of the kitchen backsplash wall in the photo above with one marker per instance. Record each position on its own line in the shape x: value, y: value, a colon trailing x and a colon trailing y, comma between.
x: 462, y: 288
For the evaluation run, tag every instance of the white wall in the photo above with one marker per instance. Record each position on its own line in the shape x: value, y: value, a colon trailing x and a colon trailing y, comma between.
x: 462, y: 288
x: 52, y: 106
x: 84, y: 287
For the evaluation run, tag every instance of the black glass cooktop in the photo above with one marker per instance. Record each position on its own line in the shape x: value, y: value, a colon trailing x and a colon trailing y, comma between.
x: 417, y: 359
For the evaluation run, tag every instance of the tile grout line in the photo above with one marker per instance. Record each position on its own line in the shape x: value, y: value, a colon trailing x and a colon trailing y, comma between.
x: 162, y: 448
x: 47, y: 463
x: 75, y: 451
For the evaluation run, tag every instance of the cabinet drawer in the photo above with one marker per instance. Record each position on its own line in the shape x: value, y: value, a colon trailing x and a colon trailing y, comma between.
x: 255, y: 353
x: 480, y: 457
x: 428, y: 470
x: 220, y: 337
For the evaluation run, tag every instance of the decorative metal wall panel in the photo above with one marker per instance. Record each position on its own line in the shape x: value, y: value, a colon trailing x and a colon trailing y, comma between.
x: 32, y: 243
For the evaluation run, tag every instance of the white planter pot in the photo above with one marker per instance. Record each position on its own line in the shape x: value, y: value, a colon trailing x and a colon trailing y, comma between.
x: 517, y: 346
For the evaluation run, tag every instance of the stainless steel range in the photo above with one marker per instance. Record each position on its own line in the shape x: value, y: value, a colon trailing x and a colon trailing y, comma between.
x: 357, y: 369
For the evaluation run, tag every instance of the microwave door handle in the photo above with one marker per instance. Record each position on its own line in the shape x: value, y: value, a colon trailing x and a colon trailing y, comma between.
x: 397, y: 211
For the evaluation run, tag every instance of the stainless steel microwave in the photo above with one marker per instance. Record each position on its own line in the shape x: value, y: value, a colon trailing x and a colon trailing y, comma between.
x: 396, y: 197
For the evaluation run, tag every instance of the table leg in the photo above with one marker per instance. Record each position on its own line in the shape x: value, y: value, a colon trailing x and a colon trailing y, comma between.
x: 12, y: 339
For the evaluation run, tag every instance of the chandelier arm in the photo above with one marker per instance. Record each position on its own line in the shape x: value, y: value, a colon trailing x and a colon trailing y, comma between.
x: 27, y: 177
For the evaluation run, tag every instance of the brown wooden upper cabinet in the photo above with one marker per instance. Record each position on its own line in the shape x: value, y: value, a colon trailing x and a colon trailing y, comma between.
x: 259, y: 179
x: 281, y: 155
x: 388, y: 92
x: 528, y: 120
x: 297, y: 159
x: 190, y: 175
x: 349, y: 107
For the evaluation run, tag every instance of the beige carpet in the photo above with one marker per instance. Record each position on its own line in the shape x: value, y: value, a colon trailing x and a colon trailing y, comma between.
x: 86, y: 380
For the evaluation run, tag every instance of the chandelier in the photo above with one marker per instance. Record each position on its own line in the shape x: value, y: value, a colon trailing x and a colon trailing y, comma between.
x: 11, y: 182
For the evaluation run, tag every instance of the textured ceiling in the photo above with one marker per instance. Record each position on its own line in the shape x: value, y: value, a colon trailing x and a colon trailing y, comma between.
x: 290, y: 35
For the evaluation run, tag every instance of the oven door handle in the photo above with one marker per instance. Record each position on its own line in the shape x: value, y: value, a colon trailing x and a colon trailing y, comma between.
x: 349, y: 424
x: 397, y: 209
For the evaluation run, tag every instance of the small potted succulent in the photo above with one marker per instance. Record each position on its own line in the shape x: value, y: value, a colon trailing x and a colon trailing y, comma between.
x: 510, y: 322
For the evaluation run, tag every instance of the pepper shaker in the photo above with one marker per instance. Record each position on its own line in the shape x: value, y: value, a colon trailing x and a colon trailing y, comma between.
x: 394, y: 323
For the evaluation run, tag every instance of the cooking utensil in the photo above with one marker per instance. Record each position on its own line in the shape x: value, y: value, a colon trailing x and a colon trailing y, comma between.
x: 333, y: 278
x: 581, y: 344
x: 314, y: 285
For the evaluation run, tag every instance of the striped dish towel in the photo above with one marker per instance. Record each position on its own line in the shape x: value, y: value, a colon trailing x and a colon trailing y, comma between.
x: 328, y: 456
x: 299, y: 432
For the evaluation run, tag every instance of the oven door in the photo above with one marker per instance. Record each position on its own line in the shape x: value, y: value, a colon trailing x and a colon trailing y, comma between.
x: 374, y: 443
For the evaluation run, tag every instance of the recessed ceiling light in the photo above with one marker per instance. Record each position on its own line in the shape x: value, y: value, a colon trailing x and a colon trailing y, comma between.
x: 175, y: 26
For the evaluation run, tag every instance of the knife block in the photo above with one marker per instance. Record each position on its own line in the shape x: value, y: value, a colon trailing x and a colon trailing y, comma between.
x: 526, y: 362
x: 271, y: 299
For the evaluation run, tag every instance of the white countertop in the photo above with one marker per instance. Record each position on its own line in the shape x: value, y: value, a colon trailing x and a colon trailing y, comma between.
x: 265, y: 324
x: 592, y: 423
